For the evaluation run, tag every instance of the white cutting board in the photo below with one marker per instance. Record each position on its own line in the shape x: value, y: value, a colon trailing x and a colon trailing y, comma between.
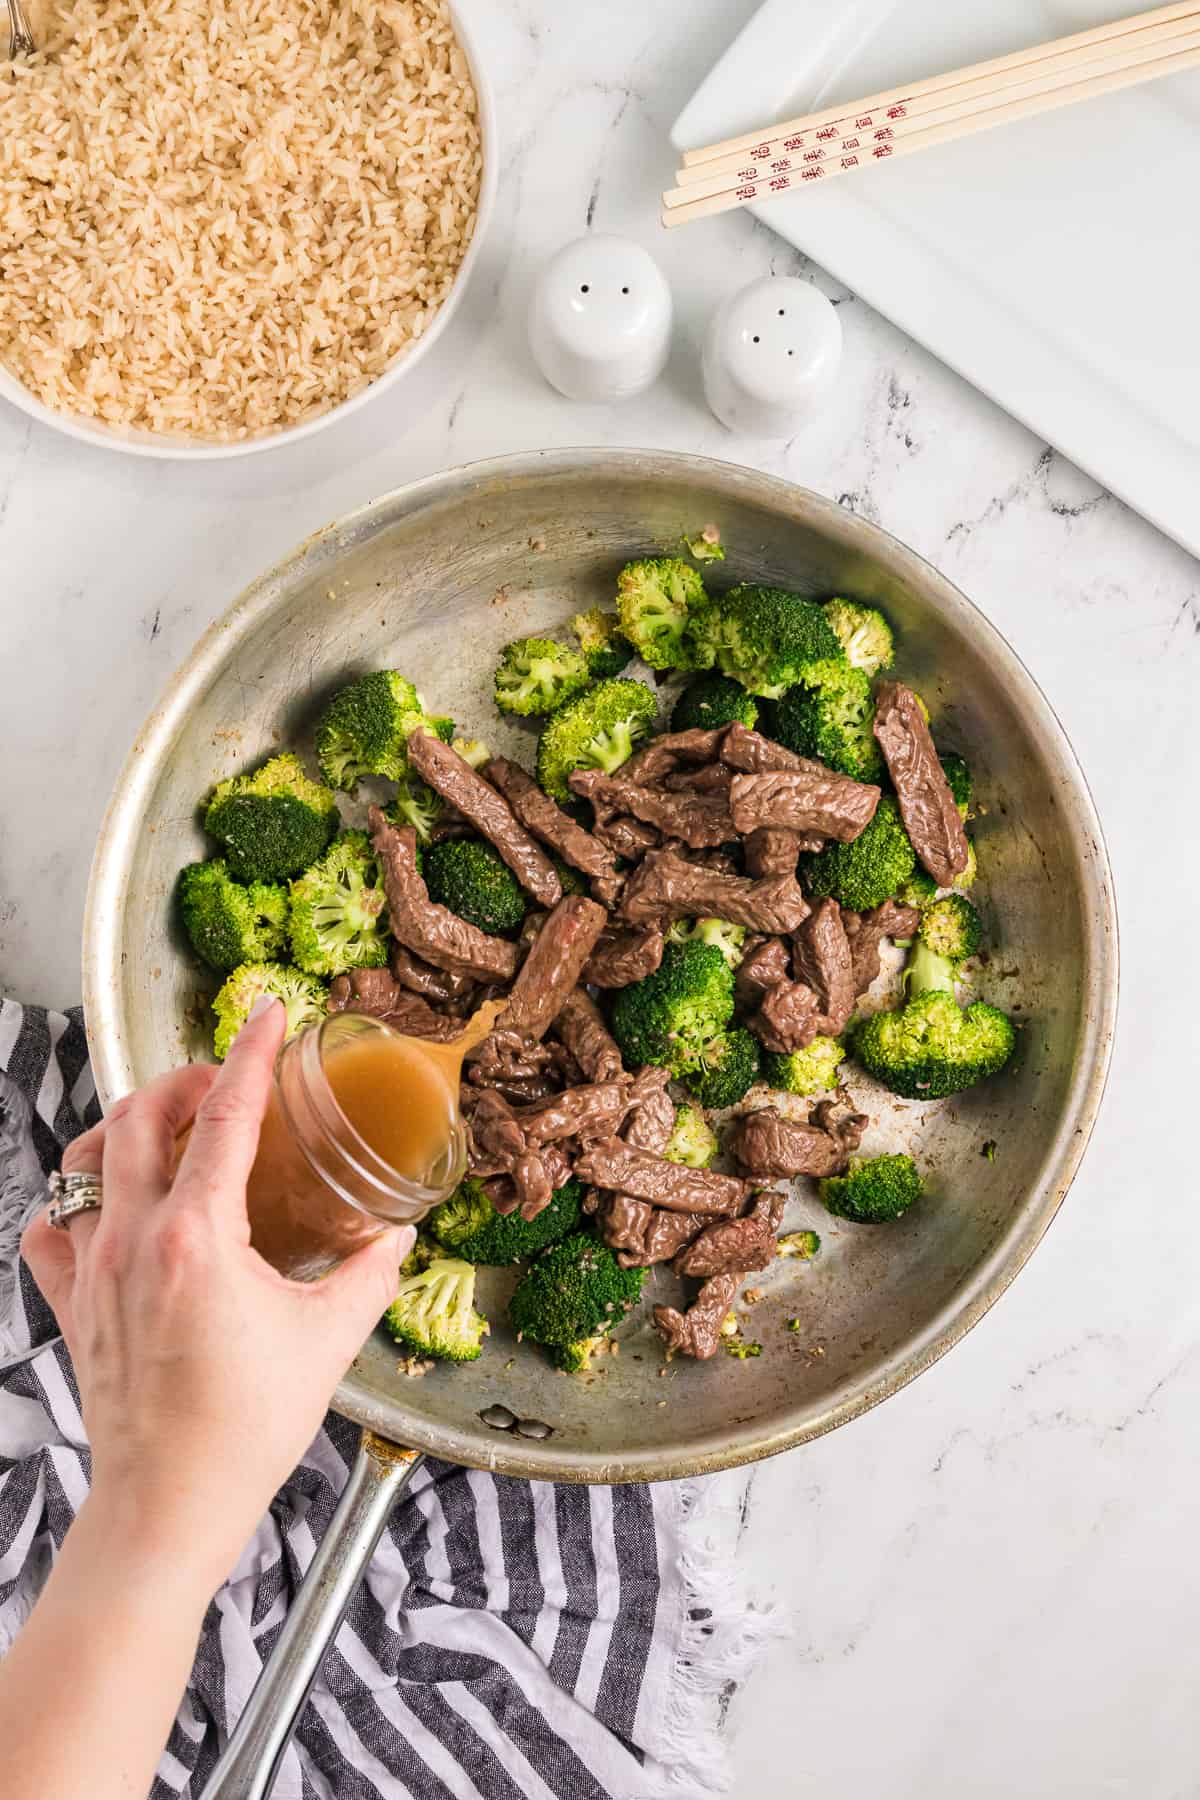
x: 1055, y: 262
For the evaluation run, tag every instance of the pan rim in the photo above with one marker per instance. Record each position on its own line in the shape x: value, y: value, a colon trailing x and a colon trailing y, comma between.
x: 505, y: 1452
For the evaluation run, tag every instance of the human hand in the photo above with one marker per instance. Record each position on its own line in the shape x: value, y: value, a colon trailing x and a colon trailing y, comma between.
x: 204, y: 1374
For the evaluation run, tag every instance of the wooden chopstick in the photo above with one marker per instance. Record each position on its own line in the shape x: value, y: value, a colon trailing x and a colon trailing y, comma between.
x: 1183, y: 34
x: 744, y: 194
x: 996, y: 65
x: 953, y: 99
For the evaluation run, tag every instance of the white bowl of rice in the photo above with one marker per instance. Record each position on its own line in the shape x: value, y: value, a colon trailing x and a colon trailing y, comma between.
x: 226, y: 223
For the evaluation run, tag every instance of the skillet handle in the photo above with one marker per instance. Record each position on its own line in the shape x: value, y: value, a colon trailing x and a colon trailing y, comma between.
x: 250, y: 1762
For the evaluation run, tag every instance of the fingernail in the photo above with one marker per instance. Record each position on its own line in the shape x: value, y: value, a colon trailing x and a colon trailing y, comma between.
x: 263, y: 1004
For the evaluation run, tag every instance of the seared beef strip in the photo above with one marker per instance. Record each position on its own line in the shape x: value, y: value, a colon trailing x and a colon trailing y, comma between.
x: 821, y: 957
x: 624, y: 1170
x: 553, y: 966
x: 765, y: 964
x: 506, y: 1056
x: 833, y: 805
x: 866, y: 931
x: 594, y: 1110
x: 735, y: 1246
x: 499, y: 1146
x: 926, y: 803
x: 625, y: 837
x: 587, y: 1037
x: 700, y: 820
x: 767, y: 1144
x: 496, y: 1138
x: 491, y: 815
x: 622, y: 957
x: 651, y: 1118
x: 753, y: 754
x: 709, y: 778
x: 375, y: 992
x: 773, y: 850
x: 697, y: 1332
x: 643, y: 1235
x: 624, y: 1223
x: 665, y: 887
x: 542, y: 816
x: 787, y: 1019
x: 422, y: 978
x: 434, y: 932
x: 664, y: 754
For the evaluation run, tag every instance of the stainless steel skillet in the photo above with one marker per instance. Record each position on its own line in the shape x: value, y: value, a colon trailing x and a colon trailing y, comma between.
x: 433, y: 579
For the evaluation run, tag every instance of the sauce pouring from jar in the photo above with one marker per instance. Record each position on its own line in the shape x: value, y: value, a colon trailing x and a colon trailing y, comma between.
x: 362, y: 1131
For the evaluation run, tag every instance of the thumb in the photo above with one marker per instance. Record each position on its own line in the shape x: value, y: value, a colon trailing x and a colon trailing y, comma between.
x: 363, y: 1288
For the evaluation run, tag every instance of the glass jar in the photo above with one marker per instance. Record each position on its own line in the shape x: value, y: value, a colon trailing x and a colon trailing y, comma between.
x: 362, y: 1131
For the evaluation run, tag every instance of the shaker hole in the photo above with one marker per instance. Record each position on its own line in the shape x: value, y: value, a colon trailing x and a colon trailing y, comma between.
x: 624, y: 290
x: 583, y: 287
x: 755, y: 340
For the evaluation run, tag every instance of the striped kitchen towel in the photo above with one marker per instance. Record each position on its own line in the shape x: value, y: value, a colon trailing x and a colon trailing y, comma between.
x: 514, y: 1640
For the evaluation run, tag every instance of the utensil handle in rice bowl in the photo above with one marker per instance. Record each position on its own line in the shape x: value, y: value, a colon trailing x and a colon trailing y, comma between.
x: 250, y: 1762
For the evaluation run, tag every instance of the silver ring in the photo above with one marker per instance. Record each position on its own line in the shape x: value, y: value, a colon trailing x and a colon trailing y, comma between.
x: 71, y: 1195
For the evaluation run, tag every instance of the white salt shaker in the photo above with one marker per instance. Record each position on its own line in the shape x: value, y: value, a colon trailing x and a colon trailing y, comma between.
x: 600, y: 319
x: 770, y: 357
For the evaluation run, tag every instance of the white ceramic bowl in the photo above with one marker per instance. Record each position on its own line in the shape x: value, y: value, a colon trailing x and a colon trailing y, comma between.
x: 135, y: 442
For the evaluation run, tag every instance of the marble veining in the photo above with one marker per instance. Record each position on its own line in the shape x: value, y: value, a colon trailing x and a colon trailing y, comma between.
x: 991, y: 1581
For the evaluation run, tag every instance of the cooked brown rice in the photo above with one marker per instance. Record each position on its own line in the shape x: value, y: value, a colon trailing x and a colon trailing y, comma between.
x: 221, y: 216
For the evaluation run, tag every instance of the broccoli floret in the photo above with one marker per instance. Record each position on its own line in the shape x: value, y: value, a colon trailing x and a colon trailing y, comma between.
x: 418, y: 806
x: 339, y: 910
x: 423, y: 1252
x: 473, y: 751
x: 931, y: 1046
x: 812, y: 1070
x: 729, y: 939
x: 605, y: 650
x: 304, y: 1000
x: 800, y: 1244
x: 832, y: 722
x: 535, y: 675
x: 656, y: 596
x: 712, y: 700
x: 958, y: 776
x: 442, y: 726
x: 950, y: 927
x: 966, y: 877
x: 573, y: 1290
x: 576, y: 1359
x: 865, y: 873
x: 920, y: 890
x: 365, y: 729
x: 672, y: 1015
x: 274, y: 822
x: 767, y: 639
x: 725, y: 1071
x: 468, y: 1225
x: 230, y: 922
x: 474, y: 881
x: 434, y: 1313
x: 693, y: 1140
x: 705, y: 546
x: 599, y: 729
x: 571, y: 881
x: 876, y: 1189
x: 863, y: 633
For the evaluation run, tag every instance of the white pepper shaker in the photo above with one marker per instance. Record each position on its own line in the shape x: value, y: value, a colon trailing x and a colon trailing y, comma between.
x: 600, y: 319
x: 771, y: 354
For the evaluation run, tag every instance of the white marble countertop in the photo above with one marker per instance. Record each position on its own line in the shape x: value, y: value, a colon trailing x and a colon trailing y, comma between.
x: 992, y: 1580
